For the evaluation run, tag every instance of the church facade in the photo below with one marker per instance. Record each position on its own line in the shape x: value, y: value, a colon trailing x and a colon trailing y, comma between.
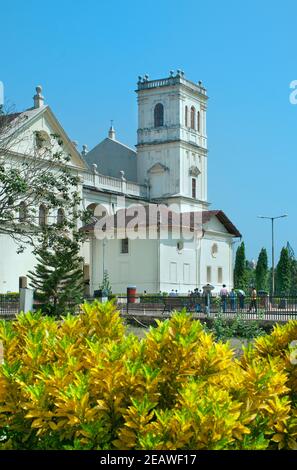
x: 161, y: 233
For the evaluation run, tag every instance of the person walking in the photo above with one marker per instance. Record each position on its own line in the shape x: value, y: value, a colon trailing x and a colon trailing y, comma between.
x: 223, y: 295
x: 253, y: 303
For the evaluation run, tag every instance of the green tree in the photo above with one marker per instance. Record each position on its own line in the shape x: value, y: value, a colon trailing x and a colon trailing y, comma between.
x: 250, y: 274
x: 293, y: 290
x: 240, y: 268
x: 283, y: 273
x: 293, y: 277
x: 262, y: 270
x: 58, y: 275
x: 42, y: 177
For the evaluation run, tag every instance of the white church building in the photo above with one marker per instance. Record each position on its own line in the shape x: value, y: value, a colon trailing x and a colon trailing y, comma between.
x: 152, y: 225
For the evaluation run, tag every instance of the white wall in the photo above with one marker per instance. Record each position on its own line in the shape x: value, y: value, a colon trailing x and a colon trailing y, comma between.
x: 192, y: 135
x: 165, y: 182
x: 139, y: 267
x: 191, y: 157
x: 216, y: 234
x: 147, y: 101
x: 178, y: 268
x: 13, y: 265
x: 174, y: 145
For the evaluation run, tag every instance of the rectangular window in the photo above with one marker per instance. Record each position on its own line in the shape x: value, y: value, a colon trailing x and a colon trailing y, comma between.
x: 194, y: 188
x: 186, y: 273
x: 220, y: 275
x: 124, y: 246
x: 208, y: 274
x: 173, y: 272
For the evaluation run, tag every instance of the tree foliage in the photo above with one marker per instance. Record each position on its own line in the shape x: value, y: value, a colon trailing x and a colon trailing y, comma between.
x: 293, y: 263
x: 58, y: 276
x: 250, y: 274
x: 40, y: 176
x: 262, y: 271
x: 283, y: 273
x: 81, y: 383
x: 293, y: 277
x: 240, y: 268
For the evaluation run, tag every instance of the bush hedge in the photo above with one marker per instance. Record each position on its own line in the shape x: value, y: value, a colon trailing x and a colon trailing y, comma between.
x: 81, y: 383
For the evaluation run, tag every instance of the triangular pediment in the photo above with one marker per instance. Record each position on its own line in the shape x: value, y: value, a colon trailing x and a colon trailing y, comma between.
x: 215, y: 225
x: 217, y: 221
x: 158, y: 168
x: 41, y: 120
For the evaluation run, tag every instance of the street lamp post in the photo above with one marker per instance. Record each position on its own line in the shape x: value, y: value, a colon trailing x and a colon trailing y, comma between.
x: 272, y: 242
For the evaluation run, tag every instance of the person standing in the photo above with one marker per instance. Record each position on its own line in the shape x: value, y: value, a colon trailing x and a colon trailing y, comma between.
x: 223, y: 295
x: 241, y: 297
x: 253, y: 303
x: 233, y: 300
x: 196, y: 295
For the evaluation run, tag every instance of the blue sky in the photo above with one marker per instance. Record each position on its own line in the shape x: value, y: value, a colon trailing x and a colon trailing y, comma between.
x: 87, y: 56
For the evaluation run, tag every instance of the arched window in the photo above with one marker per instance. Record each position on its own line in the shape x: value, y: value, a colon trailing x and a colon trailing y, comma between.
x: 23, y: 212
x: 193, y: 117
x: 159, y: 115
x: 97, y: 210
x: 42, y: 217
x: 186, y: 116
x: 60, y: 216
x: 91, y: 208
x: 198, y: 121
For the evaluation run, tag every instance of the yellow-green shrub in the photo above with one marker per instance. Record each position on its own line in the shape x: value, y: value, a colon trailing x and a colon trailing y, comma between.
x: 82, y: 383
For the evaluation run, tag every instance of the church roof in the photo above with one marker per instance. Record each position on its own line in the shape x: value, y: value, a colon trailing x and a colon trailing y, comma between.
x: 165, y: 218
x: 221, y: 216
x: 112, y: 157
x: 6, y: 119
x: 12, y: 122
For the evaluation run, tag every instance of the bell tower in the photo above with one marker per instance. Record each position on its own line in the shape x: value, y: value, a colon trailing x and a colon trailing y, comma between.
x: 172, y: 140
